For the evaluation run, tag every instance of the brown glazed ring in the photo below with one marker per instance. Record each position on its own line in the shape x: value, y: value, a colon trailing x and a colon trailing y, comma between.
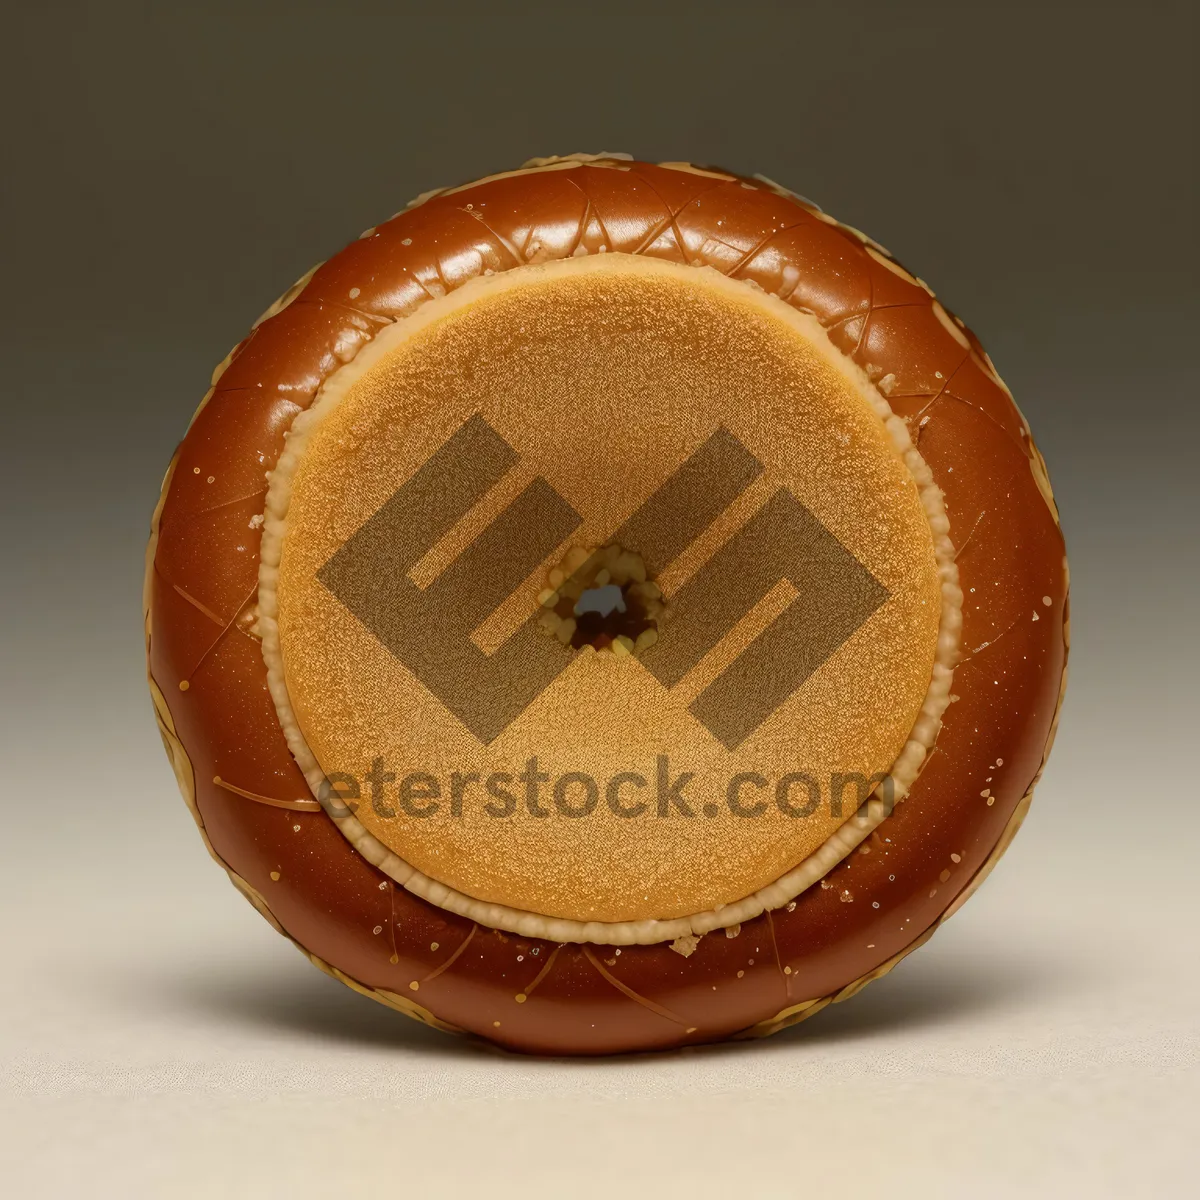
x: 252, y: 803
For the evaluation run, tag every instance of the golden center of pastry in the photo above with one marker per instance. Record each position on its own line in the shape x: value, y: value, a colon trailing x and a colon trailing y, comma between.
x: 602, y: 590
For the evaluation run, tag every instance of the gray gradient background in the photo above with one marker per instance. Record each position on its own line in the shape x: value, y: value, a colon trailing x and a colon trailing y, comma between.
x: 170, y: 169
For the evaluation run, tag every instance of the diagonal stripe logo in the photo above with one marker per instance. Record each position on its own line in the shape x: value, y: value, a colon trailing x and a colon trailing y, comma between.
x: 429, y: 630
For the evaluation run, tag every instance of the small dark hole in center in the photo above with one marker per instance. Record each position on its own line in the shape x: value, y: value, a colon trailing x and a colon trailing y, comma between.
x: 603, y: 614
x: 602, y: 599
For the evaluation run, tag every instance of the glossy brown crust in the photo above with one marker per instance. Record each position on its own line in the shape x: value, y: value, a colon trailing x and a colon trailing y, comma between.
x: 537, y: 996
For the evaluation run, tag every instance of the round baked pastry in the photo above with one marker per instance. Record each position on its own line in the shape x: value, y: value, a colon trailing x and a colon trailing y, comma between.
x: 608, y: 606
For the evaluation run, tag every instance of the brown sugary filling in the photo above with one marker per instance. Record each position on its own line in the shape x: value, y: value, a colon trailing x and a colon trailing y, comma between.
x: 602, y: 599
x: 635, y: 366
